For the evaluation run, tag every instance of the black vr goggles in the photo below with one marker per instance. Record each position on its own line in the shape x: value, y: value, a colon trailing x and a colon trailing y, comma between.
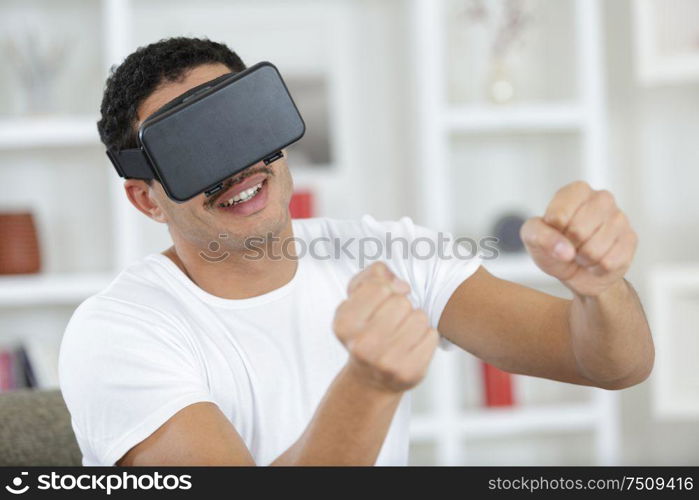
x: 198, y: 140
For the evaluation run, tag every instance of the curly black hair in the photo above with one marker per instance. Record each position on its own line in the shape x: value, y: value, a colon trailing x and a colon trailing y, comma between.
x: 142, y: 72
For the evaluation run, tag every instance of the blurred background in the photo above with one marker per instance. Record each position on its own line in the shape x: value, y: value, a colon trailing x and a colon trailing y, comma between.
x: 466, y: 115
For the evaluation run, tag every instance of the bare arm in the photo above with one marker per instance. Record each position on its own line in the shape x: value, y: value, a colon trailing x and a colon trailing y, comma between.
x: 390, y: 346
x: 349, y: 427
x: 199, y: 434
x: 599, y: 338
x: 604, y: 343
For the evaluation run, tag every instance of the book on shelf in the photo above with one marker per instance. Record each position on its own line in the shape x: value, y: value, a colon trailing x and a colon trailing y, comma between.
x: 497, y: 385
x: 15, y: 372
x: 7, y: 379
x: 31, y: 364
x: 301, y: 205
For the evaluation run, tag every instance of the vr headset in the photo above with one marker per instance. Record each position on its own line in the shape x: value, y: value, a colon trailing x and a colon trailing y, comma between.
x: 213, y: 131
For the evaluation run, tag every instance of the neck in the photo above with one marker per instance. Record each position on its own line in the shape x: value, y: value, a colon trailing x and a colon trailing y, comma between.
x: 239, y: 276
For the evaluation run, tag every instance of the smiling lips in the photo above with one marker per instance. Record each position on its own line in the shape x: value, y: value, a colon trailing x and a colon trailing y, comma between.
x: 242, y: 196
x: 246, y: 197
x: 243, y: 191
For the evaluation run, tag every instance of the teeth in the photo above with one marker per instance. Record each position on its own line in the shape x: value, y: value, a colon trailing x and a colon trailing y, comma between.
x: 243, y: 196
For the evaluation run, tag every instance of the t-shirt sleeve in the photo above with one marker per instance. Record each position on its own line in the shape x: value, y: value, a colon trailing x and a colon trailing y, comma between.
x: 124, y: 370
x: 433, y: 263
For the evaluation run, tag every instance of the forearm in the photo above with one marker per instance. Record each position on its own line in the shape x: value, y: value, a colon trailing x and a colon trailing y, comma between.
x: 348, y: 427
x: 610, y: 337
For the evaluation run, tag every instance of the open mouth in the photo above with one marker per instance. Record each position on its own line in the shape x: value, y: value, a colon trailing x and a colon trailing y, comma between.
x: 246, y: 197
x: 243, y: 196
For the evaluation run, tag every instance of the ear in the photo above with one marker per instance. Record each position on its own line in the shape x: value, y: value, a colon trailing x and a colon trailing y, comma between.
x: 143, y: 197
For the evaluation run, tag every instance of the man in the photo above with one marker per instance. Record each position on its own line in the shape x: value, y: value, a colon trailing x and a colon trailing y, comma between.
x: 187, y: 359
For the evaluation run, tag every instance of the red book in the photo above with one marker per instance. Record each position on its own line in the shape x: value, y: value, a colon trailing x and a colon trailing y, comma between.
x: 498, y: 386
x: 301, y: 205
x: 6, y: 371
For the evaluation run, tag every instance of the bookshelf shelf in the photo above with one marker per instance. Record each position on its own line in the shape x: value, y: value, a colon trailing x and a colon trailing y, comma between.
x: 50, y: 289
x: 530, y: 118
x: 50, y: 131
x: 504, y: 422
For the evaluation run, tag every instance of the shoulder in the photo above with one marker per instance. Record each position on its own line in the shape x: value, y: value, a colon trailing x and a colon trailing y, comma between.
x: 136, y: 305
x: 131, y: 327
x: 147, y: 283
x: 145, y: 288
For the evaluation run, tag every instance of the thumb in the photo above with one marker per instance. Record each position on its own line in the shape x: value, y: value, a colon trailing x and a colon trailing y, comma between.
x: 546, y: 243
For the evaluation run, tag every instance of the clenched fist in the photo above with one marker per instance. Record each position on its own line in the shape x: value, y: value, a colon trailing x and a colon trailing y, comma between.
x: 583, y: 239
x: 390, y: 343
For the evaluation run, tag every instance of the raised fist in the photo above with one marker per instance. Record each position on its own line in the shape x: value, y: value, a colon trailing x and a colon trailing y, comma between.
x: 390, y: 343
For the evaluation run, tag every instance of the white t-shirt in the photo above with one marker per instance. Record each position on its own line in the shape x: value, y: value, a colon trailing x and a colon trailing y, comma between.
x: 153, y: 342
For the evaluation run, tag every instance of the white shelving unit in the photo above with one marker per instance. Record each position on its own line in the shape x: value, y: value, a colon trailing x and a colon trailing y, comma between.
x: 496, y: 423
x: 522, y: 118
x: 54, y: 289
x: 446, y: 424
x: 23, y: 133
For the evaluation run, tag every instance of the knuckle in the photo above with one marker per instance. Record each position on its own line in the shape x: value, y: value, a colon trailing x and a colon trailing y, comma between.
x: 345, y: 324
x: 590, y: 253
x: 401, y: 304
x: 605, y: 197
x: 564, y: 189
x: 526, y: 232
x: 434, y: 337
x: 379, y: 289
x: 379, y: 268
x: 338, y: 325
x: 363, y: 348
x: 419, y: 319
x: 339, y: 321
x: 576, y: 231
x: 364, y: 277
x: 633, y: 237
x: 384, y: 290
x: 620, y: 219
x: 607, y: 264
x: 556, y: 217
x: 580, y: 186
x: 421, y: 316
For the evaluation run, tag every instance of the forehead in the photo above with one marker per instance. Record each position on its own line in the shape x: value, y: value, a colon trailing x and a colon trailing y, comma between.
x: 167, y: 91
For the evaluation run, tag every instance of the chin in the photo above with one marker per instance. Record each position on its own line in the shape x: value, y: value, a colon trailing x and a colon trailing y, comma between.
x: 271, y: 221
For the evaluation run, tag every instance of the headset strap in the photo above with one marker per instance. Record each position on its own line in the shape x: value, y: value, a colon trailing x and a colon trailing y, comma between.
x: 131, y: 164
